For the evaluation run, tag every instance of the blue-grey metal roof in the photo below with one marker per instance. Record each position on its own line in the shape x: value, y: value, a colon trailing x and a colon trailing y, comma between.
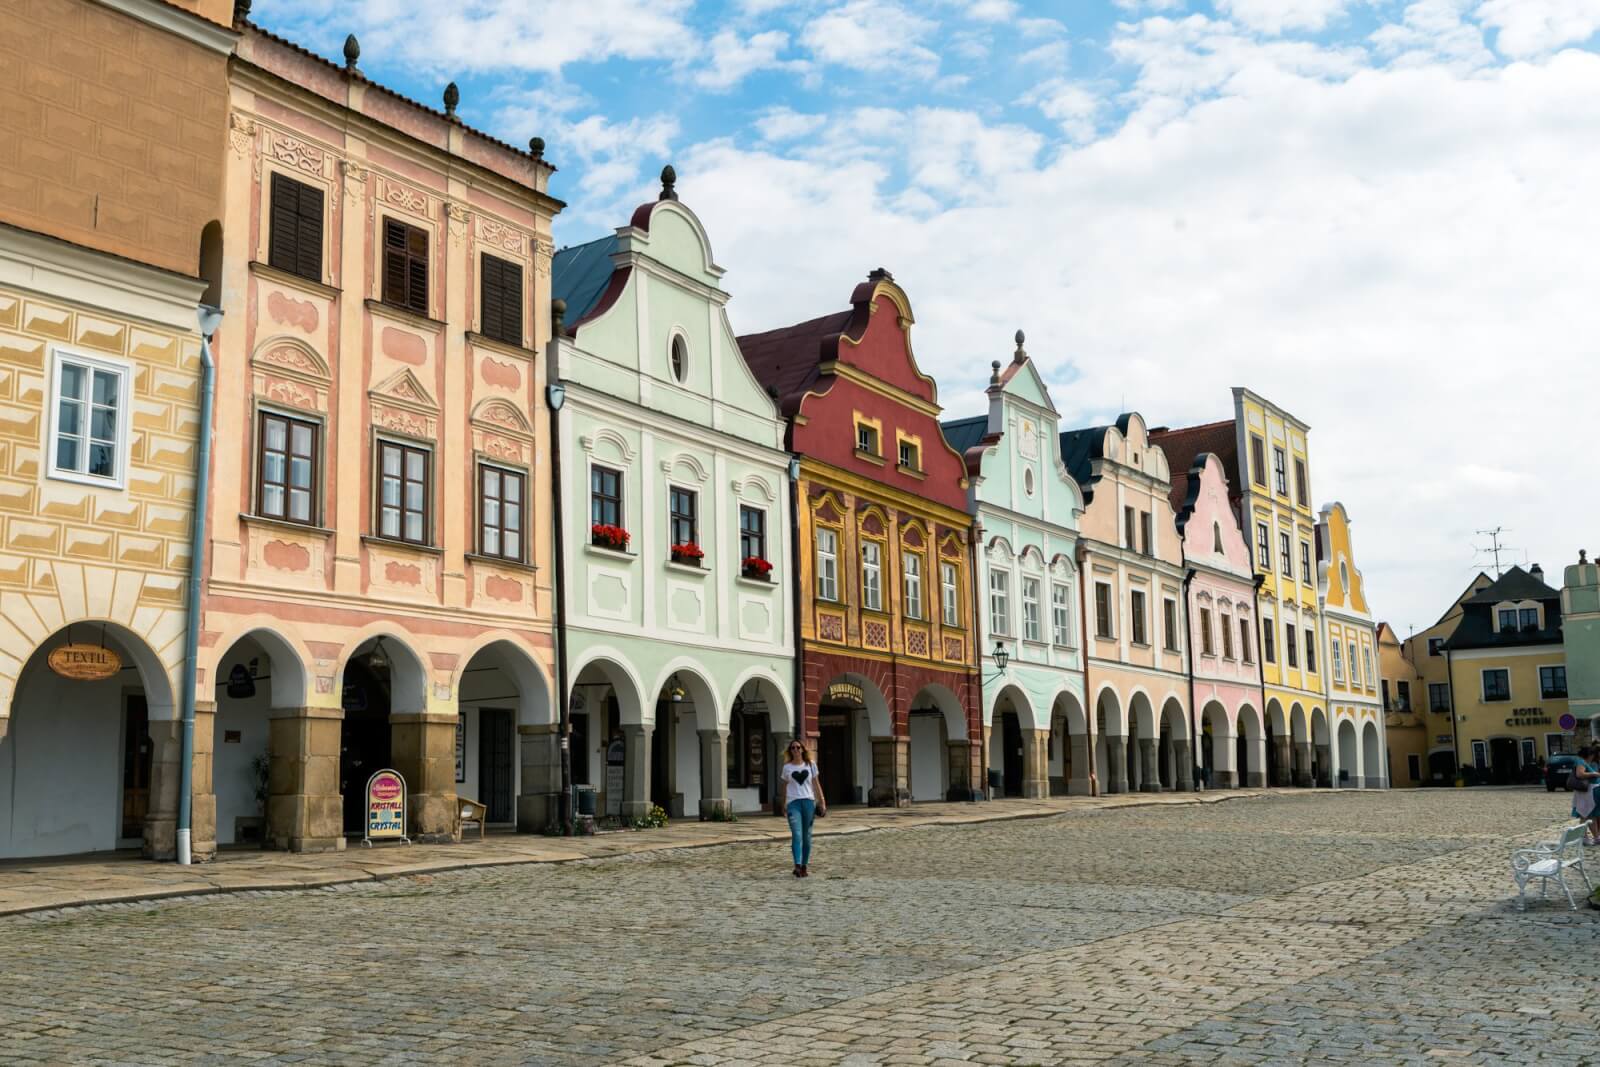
x: 964, y: 433
x: 580, y: 274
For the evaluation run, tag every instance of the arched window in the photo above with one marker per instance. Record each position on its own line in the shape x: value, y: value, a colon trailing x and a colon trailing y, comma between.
x: 680, y: 357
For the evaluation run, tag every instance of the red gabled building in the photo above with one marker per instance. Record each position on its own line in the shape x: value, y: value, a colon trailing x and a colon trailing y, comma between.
x: 890, y: 693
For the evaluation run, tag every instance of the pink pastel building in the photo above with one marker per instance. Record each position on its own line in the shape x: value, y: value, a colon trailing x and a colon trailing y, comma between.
x: 1222, y: 627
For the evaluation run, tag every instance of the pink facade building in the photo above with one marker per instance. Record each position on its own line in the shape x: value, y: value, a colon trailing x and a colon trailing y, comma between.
x: 1226, y: 673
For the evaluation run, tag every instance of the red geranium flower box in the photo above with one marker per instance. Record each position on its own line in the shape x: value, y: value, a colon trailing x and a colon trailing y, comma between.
x: 604, y: 535
x: 756, y: 567
x: 688, y: 553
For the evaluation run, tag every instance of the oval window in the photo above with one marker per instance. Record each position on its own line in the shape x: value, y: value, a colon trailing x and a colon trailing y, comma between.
x: 680, y: 357
x: 1027, y: 481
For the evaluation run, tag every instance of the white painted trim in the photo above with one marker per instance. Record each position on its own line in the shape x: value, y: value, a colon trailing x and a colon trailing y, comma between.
x: 193, y: 28
x: 61, y: 270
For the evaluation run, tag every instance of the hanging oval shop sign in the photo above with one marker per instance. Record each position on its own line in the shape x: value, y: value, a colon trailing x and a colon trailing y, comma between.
x: 85, y: 663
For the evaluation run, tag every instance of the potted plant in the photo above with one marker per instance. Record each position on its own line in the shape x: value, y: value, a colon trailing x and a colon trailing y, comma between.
x: 688, y: 553
x: 604, y: 535
x: 756, y: 567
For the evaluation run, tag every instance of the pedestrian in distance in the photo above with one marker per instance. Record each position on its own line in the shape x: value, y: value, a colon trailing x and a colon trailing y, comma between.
x: 1584, y: 781
x: 803, y: 802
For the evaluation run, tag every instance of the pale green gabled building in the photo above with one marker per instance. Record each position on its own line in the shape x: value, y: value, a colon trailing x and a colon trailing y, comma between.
x: 1580, y: 612
x: 678, y: 642
x: 1027, y: 507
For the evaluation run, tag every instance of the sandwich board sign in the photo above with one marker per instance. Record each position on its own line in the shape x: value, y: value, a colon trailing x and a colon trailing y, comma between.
x: 386, y: 808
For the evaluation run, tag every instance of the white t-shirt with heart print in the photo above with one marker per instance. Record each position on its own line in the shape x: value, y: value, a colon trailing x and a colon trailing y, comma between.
x: 798, y: 779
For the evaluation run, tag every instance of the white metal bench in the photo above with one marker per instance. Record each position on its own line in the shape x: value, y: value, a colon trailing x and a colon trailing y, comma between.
x: 1550, y: 861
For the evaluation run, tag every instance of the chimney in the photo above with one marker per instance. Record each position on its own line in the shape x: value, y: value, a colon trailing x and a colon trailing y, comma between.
x: 1537, y: 571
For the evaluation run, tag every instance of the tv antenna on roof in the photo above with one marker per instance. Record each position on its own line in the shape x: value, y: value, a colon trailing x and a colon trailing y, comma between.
x: 1495, y: 547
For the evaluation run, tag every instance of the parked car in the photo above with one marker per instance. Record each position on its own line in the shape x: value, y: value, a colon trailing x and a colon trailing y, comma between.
x: 1558, y: 770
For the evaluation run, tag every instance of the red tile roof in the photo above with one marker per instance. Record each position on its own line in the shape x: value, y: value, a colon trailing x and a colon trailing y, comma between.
x: 1185, y: 445
x: 786, y: 360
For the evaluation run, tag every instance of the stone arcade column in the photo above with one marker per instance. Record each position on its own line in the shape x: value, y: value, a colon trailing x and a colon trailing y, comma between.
x: 1220, y: 778
x: 714, y: 802
x: 305, y: 812
x: 538, y: 803
x: 1302, y: 764
x: 1078, y: 783
x: 1035, y: 763
x: 423, y: 750
x: 958, y: 764
x: 891, y: 757
x: 203, y: 806
x: 775, y: 787
x: 1116, y: 764
x: 1185, y: 761
x: 636, y: 771
x: 161, y: 819
x: 1285, y: 751
x: 1325, y: 765
x: 1149, y: 766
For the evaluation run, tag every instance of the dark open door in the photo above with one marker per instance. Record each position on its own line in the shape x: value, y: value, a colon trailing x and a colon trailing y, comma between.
x: 495, y: 741
x: 136, y: 758
x: 833, y: 757
x: 1011, y: 754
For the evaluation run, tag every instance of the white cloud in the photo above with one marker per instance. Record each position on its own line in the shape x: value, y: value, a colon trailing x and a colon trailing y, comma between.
x: 1074, y: 107
x: 485, y: 35
x: 1401, y: 256
x: 872, y: 35
x: 786, y: 124
x: 993, y: 10
x: 1533, y: 27
x: 734, y: 58
x: 1276, y: 16
x: 1432, y: 30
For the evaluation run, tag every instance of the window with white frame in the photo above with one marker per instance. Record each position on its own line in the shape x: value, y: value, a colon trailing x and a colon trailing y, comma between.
x: 1263, y: 547
x: 1060, y: 617
x: 1305, y: 562
x: 827, y: 564
x: 1496, y: 684
x: 1338, y: 661
x: 89, y: 420
x: 1366, y: 657
x: 1280, y: 473
x: 1030, y: 610
x: 1137, y: 618
x: 1285, y: 558
x: 912, y: 565
x: 999, y: 602
x: 1102, y: 609
x: 871, y: 576
x: 1355, y: 666
x: 950, y: 586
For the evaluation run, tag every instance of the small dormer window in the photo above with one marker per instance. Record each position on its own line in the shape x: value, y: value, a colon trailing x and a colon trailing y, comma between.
x: 679, y: 357
x: 1508, y: 619
x: 1529, y: 618
x: 908, y: 456
x: 866, y: 438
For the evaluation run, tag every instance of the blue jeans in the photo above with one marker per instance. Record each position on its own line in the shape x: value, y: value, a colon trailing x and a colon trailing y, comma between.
x: 801, y: 815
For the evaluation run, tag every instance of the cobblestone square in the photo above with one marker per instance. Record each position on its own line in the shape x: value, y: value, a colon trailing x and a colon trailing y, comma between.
x: 1374, y: 927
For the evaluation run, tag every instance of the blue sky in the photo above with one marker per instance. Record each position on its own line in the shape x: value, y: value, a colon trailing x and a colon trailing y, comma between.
x: 1379, y: 213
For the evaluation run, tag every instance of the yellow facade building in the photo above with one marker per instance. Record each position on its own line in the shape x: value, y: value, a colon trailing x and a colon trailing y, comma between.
x: 1405, y: 724
x: 1355, y: 707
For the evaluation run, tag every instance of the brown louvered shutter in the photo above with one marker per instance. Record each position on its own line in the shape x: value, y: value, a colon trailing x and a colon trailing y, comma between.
x: 502, y: 300
x: 394, y: 262
x: 417, y: 270
x: 308, y: 260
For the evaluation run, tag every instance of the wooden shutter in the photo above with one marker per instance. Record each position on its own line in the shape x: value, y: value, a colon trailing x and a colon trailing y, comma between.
x: 417, y: 270
x: 502, y: 300
x: 295, y: 228
x: 394, y: 262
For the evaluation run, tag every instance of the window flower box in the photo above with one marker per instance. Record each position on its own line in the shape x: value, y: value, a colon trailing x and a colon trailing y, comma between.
x: 689, y: 554
x: 757, y: 568
x: 603, y: 535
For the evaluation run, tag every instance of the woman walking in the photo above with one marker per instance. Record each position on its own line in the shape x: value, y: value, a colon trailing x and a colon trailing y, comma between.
x: 803, y: 802
x: 1585, y: 778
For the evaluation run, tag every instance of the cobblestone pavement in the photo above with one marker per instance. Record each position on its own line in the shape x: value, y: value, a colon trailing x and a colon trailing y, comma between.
x: 1295, y: 928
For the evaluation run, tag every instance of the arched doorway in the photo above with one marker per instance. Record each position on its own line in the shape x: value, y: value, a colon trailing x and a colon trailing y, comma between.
x: 1217, y: 751
x: 1300, y: 747
x: 258, y: 681
x: 610, y: 745
x: 759, y: 725
x: 383, y: 693
x: 1069, y: 747
x: 1176, y: 761
x: 1373, y: 772
x: 89, y: 761
x: 1251, y: 753
x: 1144, y: 772
x: 858, y: 757
x: 687, y: 719
x: 1008, y: 756
x: 1321, y: 751
x: 507, y: 753
x: 1349, y: 763
x: 937, y: 746
x: 1279, y: 760
x: 1111, y: 742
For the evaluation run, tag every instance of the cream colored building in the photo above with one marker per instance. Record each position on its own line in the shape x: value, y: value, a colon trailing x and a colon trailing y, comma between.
x: 1356, y: 755
x: 110, y: 185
